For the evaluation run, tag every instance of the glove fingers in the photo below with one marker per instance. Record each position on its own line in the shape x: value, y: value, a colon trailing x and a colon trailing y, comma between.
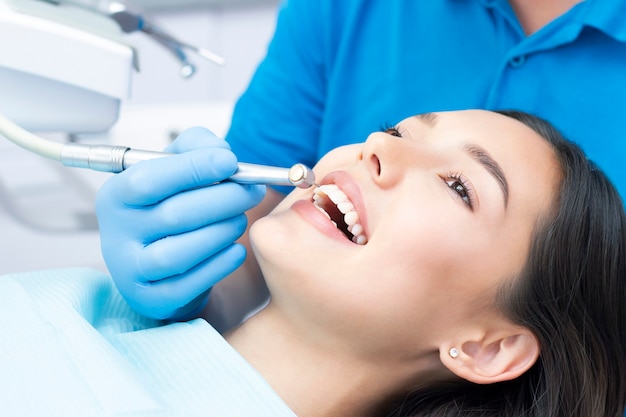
x: 195, y: 209
x: 177, y: 254
x: 196, y: 138
x: 174, y: 296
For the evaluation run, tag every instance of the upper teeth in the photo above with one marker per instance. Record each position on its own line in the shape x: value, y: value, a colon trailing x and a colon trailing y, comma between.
x: 345, y: 206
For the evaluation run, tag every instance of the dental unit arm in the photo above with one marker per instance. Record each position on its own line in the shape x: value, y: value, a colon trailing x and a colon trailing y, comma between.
x: 131, y: 21
x: 65, y: 65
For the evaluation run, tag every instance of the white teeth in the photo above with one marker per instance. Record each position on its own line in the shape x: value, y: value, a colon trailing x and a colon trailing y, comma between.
x: 328, y: 189
x: 345, y: 206
x: 360, y: 239
x: 356, y: 229
x: 337, y: 196
x: 351, y: 218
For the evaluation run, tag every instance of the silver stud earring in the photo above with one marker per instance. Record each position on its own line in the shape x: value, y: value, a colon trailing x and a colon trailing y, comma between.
x: 454, y: 353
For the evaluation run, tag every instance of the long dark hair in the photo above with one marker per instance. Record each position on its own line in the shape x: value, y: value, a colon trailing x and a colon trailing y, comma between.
x: 571, y: 294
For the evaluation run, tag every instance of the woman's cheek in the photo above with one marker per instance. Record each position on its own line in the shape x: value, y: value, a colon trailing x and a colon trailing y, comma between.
x: 339, y: 158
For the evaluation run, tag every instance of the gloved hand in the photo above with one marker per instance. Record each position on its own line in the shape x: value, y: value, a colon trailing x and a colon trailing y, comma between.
x: 167, y: 234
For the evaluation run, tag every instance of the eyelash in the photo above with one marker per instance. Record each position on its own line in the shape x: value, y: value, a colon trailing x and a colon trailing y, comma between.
x: 390, y: 129
x: 460, y: 185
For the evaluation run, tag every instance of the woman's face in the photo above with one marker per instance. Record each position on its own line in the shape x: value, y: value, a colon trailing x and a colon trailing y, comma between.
x: 447, y: 203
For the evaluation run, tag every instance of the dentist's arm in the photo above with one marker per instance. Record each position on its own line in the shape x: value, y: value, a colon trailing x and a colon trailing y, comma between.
x: 168, y: 230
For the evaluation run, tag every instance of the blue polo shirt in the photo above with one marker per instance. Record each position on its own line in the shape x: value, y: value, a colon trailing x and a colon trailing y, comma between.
x: 337, y: 70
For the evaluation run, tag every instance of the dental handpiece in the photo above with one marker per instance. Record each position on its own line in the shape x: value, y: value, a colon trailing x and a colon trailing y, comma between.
x: 118, y: 158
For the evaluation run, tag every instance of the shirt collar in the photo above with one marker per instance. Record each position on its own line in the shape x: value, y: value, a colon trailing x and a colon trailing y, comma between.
x: 607, y: 16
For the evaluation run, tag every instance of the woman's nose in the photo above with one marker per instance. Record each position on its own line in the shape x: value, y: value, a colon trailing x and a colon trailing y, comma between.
x: 384, y: 158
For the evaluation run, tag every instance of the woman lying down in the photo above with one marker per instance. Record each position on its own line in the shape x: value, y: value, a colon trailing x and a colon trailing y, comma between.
x: 483, y: 274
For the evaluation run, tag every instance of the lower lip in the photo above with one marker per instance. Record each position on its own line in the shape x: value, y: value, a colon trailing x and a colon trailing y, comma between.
x: 312, y: 215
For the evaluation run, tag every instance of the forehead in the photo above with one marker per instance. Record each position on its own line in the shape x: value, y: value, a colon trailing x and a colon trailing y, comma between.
x: 500, y: 135
x: 489, y: 125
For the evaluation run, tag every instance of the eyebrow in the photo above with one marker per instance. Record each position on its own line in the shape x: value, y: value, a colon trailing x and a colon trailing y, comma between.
x: 477, y: 153
x: 429, y: 118
x: 482, y: 157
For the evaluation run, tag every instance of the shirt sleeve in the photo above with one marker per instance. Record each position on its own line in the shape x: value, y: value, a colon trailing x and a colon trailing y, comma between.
x: 277, y: 119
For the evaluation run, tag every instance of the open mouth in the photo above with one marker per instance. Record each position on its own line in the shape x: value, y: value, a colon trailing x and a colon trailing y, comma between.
x: 334, y: 203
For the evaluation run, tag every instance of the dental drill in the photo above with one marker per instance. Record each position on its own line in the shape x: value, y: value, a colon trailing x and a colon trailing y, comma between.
x: 118, y: 158
x: 109, y: 158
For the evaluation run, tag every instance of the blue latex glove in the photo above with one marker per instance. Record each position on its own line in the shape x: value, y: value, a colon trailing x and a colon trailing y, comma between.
x: 167, y: 235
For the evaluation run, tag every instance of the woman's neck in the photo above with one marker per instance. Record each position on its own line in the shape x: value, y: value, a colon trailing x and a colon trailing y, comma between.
x: 535, y: 14
x: 315, y: 379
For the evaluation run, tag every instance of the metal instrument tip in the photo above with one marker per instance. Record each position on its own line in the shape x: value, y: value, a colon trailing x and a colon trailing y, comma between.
x: 301, y: 176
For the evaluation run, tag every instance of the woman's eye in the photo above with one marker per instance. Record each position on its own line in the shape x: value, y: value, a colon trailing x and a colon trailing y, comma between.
x: 391, y: 130
x: 459, y: 185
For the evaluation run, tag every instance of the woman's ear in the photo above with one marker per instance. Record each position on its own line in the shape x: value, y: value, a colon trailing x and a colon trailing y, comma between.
x: 492, y: 357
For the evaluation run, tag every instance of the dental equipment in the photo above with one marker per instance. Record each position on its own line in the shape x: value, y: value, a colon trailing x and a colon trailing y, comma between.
x: 109, y: 158
x: 130, y: 22
x: 66, y: 65
x: 62, y: 68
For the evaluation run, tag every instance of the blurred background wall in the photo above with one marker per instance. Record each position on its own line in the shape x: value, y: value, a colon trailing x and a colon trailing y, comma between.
x: 47, y: 217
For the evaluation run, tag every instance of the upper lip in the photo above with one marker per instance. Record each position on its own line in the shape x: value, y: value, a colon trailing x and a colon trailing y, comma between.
x: 352, y: 190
